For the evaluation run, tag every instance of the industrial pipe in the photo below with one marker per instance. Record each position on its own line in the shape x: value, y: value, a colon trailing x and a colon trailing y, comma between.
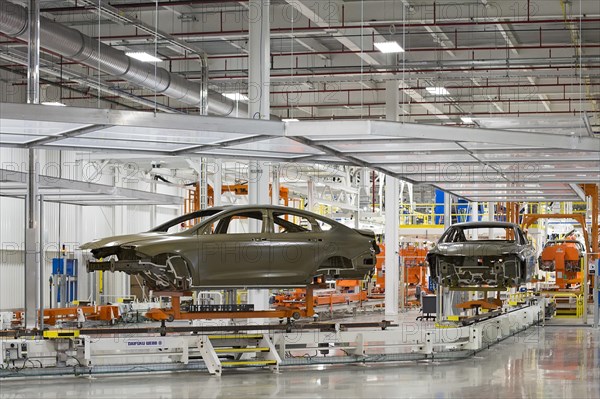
x: 74, y: 45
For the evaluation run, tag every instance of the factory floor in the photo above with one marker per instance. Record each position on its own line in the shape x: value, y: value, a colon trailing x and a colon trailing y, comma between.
x: 542, y: 362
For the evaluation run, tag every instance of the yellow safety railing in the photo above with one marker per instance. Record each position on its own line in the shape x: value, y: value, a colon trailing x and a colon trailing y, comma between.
x: 423, y: 215
x: 578, y: 304
x: 518, y: 297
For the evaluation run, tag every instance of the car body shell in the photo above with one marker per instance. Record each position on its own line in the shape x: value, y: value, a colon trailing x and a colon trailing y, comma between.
x: 282, y: 253
x: 458, y: 262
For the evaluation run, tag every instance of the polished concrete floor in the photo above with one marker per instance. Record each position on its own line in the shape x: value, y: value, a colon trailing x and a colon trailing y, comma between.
x: 543, y: 362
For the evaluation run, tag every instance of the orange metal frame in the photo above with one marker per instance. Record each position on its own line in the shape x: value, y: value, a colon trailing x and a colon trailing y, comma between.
x: 298, y: 297
x: 530, y: 219
x: 175, y: 313
x: 100, y: 312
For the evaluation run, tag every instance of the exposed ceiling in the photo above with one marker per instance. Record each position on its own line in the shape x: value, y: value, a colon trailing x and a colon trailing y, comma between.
x: 496, y: 59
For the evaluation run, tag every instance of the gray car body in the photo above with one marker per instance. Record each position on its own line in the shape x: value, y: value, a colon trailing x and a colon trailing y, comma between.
x: 500, y: 263
x: 200, y: 257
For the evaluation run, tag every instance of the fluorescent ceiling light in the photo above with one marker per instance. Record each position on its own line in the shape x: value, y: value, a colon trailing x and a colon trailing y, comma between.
x: 291, y: 120
x: 389, y: 47
x: 466, y: 119
x: 236, y: 96
x: 53, y: 103
x: 143, y: 56
x: 438, y: 91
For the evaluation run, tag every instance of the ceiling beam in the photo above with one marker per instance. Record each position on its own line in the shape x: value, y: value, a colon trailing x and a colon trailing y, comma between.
x: 119, y: 193
x: 367, y: 128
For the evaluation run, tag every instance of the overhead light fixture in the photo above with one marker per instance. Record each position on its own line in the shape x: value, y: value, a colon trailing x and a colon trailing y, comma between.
x: 291, y: 120
x: 143, y: 56
x: 467, y: 119
x: 236, y: 96
x: 53, y: 103
x: 437, y: 91
x: 389, y: 47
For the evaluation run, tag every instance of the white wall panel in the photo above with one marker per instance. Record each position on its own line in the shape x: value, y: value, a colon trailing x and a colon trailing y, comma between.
x: 12, y: 221
x: 11, y: 280
x: 72, y: 225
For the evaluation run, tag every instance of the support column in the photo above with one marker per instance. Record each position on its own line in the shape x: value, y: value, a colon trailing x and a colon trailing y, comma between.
x: 392, y: 100
x: 393, y: 275
x: 596, y: 292
x: 474, y: 217
x: 32, y: 253
x: 490, y: 218
x: 217, y: 182
x: 258, y: 193
x: 275, y: 185
x: 33, y: 53
x: 259, y: 59
x: 259, y: 69
x: 444, y: 297
x: 392, y: 266
x: 362, y: 197
x: 447, y: 210
x: 203, y: 184
x: 311, y: 195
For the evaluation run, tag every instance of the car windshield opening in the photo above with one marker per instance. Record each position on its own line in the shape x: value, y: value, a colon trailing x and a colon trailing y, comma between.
x: 483, y: 233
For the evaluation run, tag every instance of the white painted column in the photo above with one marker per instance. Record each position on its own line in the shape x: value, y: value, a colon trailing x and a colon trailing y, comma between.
x: 32, y: 234
x: 447, y: 210
x: 393, y: 274
x: 392, y: 264
x: 217, y: 181
x: 490, y: 218
x: 392, y: 100
x: 474, y: 218
x: 259, y: 107
x: 258, y: 193
x: 259, y: 59
x: 310, y: 194
x: 275, y: 184
x: 444, y: 297
x: 153, y: 209
x: 33, y: 261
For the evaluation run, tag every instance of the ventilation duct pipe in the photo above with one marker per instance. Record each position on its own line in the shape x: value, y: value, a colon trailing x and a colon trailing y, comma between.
x: 72, y: 44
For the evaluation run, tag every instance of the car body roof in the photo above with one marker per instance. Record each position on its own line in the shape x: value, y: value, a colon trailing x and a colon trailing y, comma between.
x: 470, y: 225
x: 284, y: 209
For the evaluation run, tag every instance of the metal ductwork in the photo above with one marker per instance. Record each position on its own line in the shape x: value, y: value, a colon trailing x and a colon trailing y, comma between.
x: 72, y: 44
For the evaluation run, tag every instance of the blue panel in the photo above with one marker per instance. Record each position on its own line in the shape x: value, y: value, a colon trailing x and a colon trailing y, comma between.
x: 72, y: 267
x: 439, y: 206
x: 58, y: 265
